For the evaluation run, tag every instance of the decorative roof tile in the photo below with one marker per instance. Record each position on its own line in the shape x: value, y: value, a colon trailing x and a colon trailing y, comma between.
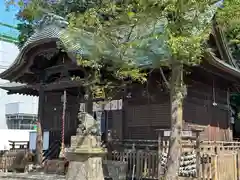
x: 50, y: 27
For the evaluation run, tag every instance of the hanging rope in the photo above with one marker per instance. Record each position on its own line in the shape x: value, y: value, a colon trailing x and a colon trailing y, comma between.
x: 214, y: 94
x: 62, y: 153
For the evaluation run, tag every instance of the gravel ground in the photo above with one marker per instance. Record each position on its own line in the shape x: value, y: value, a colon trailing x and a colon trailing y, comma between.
x: 30, y: 176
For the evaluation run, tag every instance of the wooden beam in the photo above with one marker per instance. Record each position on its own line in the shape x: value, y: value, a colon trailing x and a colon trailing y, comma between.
x: 60, y: 85
x: 58, y: 69
x: 70, y: 66
x: 63, y: 67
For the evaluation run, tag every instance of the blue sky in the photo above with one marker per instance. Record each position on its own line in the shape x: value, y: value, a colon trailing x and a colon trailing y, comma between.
x: 7, y: 17
x: 8, y: 53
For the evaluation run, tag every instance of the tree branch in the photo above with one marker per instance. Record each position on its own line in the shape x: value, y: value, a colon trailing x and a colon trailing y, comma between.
x: 164, y: 77
x: 162, y: 73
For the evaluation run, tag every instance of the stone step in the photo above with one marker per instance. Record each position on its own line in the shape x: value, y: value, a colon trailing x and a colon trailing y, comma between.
x: 30, y: 176
x: 114, y: 170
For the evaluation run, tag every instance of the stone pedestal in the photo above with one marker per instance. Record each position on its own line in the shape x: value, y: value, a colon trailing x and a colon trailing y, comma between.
x: 55, y: 166
x: 85, y: 158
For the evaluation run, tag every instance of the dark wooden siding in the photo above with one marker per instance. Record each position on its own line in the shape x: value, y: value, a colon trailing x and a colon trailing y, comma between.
x: 148, y: 109
x: 117, y: 123
x: 146, y: 112
x: 52, y: 115
x: 199, y: 110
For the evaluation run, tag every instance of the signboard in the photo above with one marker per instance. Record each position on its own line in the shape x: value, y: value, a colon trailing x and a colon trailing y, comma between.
x: 32, y: 140
x: 184, y: 133
x: 107, y: 106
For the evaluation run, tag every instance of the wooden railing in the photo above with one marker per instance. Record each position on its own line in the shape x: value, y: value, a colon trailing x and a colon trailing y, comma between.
x: 141, y: 164
x: 6, y: 160
x: 219, y: 160
x: 15, y: 159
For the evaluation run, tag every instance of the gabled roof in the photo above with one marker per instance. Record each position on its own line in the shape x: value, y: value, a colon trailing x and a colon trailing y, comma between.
x: 220, y: 64
x: 226, y: 63
x: 48, y: 30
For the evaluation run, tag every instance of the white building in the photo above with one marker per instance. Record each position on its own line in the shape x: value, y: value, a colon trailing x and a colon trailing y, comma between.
x: 21, y: 115
x: 16, y: 104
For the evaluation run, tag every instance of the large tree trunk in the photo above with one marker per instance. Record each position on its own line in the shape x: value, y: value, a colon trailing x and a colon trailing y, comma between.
x: 176, y: 98
x: 39, y: 138
x: 39, y: 144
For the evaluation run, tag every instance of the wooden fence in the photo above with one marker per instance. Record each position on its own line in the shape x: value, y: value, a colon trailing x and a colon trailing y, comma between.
x: 219, y: 161
x: 6, y: 160
x: 15, y: 159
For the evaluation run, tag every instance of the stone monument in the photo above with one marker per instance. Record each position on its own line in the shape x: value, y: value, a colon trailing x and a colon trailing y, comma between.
x: 86, y: 152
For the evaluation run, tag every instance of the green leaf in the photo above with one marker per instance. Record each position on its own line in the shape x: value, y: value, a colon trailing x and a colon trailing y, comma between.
x: 131, y: 15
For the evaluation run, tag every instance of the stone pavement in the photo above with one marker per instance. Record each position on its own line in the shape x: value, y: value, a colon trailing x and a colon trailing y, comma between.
x: 29, y: 176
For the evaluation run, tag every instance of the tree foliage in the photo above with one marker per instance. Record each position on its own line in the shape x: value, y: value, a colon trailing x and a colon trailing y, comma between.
x: 130, y: 29
x: 228, y: 19
x: 31, y: 12
x: 185, y: 26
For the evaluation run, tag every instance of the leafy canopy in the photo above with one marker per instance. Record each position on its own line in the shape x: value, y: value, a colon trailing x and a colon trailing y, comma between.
x: 125, y: 34
x: 185, y: 22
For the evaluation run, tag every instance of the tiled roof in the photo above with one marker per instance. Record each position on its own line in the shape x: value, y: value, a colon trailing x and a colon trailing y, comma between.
x: 10, y: 85
x: 13, y: 88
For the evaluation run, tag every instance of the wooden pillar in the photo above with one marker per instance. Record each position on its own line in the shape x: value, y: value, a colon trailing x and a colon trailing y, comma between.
x: 89, y: 101
x: 230, y: 133
x: 39, y: 140
x: 198, y: 151
x: 123, y: 115
x: 160, y: 151
x: 198, y: 155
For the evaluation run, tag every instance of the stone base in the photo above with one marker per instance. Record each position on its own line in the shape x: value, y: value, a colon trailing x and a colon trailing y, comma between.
x: 56, y: 166
x: 85, y: 141
x: 90, y: 169
x: 115, y: 170
x: 82, y: 155
x: 85, y: 158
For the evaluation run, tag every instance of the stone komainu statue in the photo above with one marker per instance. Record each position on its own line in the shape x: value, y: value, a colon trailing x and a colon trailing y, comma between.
x: 88, y: 125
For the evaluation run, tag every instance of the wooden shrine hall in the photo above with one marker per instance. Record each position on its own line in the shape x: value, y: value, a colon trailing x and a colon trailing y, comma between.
x: 42, y: 69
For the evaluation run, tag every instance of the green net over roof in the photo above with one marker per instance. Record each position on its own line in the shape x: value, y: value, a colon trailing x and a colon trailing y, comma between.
x: 145, y: 50
x: 148, y: 40
x: 8, y: 33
